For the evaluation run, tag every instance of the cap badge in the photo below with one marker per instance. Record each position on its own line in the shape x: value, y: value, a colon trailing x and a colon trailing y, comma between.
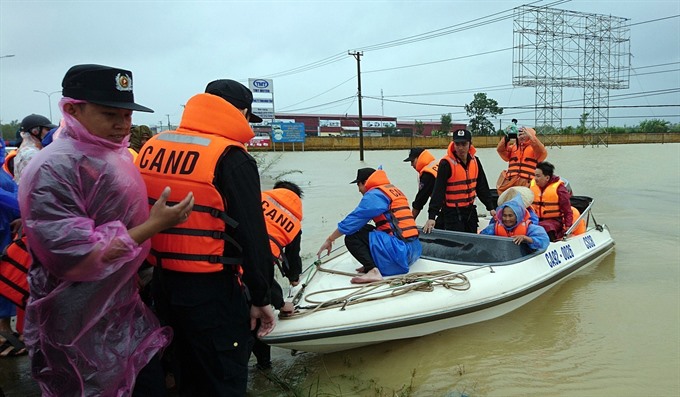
x: 123, y: 82
x: 461, y: 133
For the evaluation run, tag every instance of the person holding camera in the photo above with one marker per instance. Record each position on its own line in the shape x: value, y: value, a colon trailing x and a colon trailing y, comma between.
x: 522, y: 150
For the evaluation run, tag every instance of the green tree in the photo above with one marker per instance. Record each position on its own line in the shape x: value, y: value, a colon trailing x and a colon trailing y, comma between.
x: 9, y: 131
x: 389, y: 130
x: 479, y: 110
x: 446, y: 124
x: 582, y: 123
x: 654, y: 125
x: 420, y: 127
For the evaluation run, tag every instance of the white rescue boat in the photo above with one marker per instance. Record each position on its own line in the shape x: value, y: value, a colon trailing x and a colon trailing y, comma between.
x: 460, y: 279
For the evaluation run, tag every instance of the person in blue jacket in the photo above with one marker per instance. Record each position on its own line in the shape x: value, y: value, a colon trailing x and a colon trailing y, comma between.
x: 513, y: 220
x: 9, y: 211
x: 389, y: 247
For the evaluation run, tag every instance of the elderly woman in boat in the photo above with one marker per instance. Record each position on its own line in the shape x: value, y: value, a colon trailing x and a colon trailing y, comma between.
x: 514, y: 220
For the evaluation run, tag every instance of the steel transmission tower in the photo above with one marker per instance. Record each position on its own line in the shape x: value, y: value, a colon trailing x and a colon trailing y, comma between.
x: 555, y: 48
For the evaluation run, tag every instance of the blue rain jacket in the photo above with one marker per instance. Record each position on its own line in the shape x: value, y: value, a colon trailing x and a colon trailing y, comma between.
x: 391, y: 255
x: 537, y: 233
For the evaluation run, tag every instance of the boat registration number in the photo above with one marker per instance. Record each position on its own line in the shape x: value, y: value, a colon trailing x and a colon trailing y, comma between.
x: 555, y: 257
x: 588, y: 241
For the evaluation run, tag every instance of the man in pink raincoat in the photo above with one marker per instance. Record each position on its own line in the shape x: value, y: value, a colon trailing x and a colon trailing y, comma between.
x: 87, y: 221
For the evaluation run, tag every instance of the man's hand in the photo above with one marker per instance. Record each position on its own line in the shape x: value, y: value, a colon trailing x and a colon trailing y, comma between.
x: 429, y: 225
x: 327, y: 245
x: 267, y: 319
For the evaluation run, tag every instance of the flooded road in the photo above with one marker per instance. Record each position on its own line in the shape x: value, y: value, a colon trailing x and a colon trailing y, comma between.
x: 612, y: 330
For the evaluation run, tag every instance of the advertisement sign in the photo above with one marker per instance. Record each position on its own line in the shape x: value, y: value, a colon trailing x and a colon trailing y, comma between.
x: 265, y: 113
x: 379, y: 124
x: 288, y: 132
x: 265, y: 86
x: 329, y: 123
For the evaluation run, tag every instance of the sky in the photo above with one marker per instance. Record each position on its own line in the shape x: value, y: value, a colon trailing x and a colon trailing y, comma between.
x: 453, y: 50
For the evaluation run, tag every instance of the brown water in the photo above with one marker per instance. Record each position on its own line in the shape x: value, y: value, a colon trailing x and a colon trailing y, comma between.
x: 612, y: 330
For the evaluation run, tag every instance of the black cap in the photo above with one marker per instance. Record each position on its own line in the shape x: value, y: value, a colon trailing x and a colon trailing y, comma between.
x: 35, y: 120
x: 462, y: 136
x: 102, y: 85
x: 414, y: 153
x: 363, y: 174
x: 235, y: 93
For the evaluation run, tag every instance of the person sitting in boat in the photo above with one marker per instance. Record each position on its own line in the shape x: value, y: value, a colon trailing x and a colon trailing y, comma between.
x: 426, y: 166
x: 551, y: 201
x: 282, y: 210
x: 389, y: 247
x: 513, y: 220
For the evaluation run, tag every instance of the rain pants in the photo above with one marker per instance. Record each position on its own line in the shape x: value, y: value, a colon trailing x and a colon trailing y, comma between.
x: 87, y: 330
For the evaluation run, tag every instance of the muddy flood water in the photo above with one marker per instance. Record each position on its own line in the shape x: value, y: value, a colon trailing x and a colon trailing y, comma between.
x: 611, y: 330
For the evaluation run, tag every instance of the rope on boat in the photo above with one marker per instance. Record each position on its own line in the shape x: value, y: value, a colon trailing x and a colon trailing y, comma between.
x: 383, y: 289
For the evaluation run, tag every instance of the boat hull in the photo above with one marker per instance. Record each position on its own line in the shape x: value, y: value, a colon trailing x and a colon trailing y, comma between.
x: 494, y: 290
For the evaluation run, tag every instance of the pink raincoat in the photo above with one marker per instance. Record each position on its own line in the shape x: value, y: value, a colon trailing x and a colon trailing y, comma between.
x: 87, y: 330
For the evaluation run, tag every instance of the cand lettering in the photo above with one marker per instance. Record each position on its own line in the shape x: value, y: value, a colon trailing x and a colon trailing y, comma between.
x: 165, y: 161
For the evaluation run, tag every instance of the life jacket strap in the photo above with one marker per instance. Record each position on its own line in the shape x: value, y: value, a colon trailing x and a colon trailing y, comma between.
x: 214, y: 212
x: 224, y: 260
x: 216, y: 234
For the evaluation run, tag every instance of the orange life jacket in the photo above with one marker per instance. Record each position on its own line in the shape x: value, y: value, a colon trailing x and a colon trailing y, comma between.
x: 581, y: 227
x: 186, y: 161
x: 400, y: 223
x: 462, y: 184
x: 8, y: 165
x: 426, y: 163
x: 282, y: 210
x: 14, y: 266
x: 519, y: 230
x: 522, y: 162
x: 546, y: 202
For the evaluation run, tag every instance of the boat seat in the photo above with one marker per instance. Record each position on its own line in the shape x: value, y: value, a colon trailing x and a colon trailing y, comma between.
x: 580, y: 202
x: 469, y: 248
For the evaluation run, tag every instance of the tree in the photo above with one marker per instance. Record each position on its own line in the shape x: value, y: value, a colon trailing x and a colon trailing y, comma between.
x: 446, y: 124
x: 9, y: 131
x: 479, y: 110
x: 654, y: 125
x: 389, y: 130
x: 420, y: 127
x: 582, y: 123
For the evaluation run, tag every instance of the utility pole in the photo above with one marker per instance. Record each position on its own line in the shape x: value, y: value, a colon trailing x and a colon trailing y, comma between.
x: 382, y: 102
x: 357, y: 55
x: 169, y: 128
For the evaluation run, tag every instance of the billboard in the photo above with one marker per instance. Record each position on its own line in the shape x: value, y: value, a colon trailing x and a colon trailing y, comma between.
x: 288, y: 132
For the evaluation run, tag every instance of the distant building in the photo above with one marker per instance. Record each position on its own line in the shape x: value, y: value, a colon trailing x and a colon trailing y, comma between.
x: 348, y: 125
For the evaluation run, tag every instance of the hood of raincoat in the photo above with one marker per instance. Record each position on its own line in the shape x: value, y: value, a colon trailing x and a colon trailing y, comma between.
x: 517, y: 206
x: 73, y: 129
